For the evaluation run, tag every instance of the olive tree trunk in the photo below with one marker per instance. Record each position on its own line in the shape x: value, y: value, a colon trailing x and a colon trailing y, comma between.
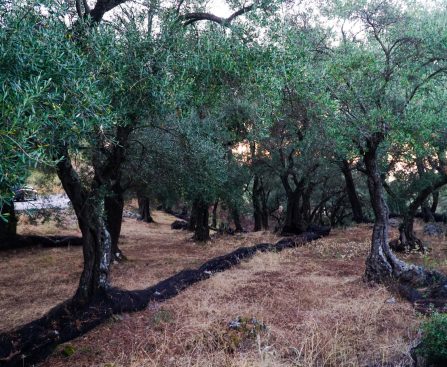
x: 214, y: 217
x: 356, y: 205
x: 201, y: 230
x: 256, y: 199
x: 88, y: 205
x: 407, y: 238
x: 144, y: 209
x: 382, y: 265
x: 114, y: 205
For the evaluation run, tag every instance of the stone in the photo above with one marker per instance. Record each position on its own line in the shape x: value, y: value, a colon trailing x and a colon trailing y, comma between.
x: 433, y: 229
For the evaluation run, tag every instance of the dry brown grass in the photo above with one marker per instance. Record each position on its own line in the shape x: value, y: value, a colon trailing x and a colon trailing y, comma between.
x: 312, y: 299
x: 34, y: 280
x: 317, y: 309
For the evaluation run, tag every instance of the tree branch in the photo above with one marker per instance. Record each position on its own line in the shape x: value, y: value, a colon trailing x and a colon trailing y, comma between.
x: 102, y: 7
x: 198, y: 16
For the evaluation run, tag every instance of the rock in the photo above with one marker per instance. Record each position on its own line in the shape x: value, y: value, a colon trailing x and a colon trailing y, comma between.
x: 391, y: 301
x: 130, y: 214
x: 250, y: 326
x: 433, y: 229
x: 179, y: 224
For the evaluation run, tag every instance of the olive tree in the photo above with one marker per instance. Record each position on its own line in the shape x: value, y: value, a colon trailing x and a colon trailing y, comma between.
x: 376, y: 76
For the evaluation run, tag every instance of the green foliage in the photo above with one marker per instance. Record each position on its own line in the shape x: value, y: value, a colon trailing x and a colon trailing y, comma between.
x: 49, y: 96
x: 434, y: 339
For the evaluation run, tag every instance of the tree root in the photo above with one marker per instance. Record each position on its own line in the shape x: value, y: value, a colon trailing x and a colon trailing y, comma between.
x: 411, y: 245
x: 36, y: 340
x: 426, y: 289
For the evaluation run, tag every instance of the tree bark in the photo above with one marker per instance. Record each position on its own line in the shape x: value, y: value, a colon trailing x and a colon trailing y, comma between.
x: 88, y: 206
x: 257, y: 208
x: 201, y: 230
x: 193, y: 219
x: 237, y: 219
x: 294, y: 222
x: 214, y: 218
x: 427, y: 214
x: 434, y: 205
x: 8, y: 224
x: 382, y: 266
x: 407, y: 238
x: 264, y: 208
x: 356, y: 205
x: 379, y: 264
x: 114, y: 205
x: 97, y: 246
x: 144, y: 209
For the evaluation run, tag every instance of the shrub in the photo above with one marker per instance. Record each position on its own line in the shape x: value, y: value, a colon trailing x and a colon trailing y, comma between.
x: 434, y: 340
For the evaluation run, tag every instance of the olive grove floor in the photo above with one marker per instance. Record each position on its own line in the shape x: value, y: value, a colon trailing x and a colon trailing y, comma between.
x: 312, y: 299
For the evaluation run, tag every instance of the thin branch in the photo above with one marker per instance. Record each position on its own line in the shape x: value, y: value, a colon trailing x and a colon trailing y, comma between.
x: 78, y: 8
x: 86, y: 7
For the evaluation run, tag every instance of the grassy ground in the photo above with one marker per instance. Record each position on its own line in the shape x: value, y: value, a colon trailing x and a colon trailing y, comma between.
x: 316, y: 309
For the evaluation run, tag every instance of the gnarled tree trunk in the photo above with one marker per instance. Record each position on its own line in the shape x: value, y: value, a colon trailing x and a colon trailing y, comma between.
x: 381, y: 262
x: 88, y: 206
x: 114, y: 205
x: 295, y: 222
x: 144, y: 209
x: 110, y: 173
x: 356, y: 205
x: 97, y: 246
x: 382, y: 265
x: 201, y: 230
x: 256, y: 199
x: 407, y: 238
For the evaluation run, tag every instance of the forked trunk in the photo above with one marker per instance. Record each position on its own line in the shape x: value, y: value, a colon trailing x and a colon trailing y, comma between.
x: 97, y: 246
x: 96, y: 241
x: 295, y: 222
x: 356, y: 205
x: 114, y: 205
x: 381, y: 265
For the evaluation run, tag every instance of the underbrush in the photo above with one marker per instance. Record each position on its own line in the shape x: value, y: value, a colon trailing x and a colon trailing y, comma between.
x: 433, y: 346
